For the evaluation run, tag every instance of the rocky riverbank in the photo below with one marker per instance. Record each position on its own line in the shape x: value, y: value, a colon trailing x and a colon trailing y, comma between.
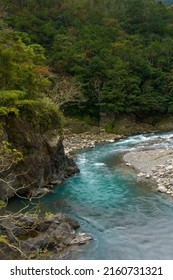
x: 155, y: 165
x: 75, y: 142
x: 44, y: 164
x: 38, y: 236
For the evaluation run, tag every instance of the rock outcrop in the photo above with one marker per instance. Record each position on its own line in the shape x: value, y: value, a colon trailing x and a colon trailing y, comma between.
x: 39, y: 236
x: 44, y: 161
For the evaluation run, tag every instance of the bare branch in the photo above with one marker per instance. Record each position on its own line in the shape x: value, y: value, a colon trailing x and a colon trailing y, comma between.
x: 66, y: 90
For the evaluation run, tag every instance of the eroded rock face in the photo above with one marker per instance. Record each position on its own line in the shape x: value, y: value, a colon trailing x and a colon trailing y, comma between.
x: 44, y: 161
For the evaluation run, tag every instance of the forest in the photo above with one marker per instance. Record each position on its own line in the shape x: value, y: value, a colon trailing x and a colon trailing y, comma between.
x: 86, y: 58
x: 93, y: 61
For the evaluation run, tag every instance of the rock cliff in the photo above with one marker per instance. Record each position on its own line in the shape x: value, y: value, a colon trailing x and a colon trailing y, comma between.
x: 44, y: 162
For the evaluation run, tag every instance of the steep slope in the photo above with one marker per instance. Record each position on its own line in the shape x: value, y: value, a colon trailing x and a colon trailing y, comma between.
x: 43, y: 162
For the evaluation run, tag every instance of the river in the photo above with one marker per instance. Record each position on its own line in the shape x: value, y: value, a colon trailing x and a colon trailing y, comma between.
x: 127, y: 219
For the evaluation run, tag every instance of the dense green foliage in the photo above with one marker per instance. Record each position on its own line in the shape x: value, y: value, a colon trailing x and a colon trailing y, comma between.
x: 120, y: 51
x: 23, y: 80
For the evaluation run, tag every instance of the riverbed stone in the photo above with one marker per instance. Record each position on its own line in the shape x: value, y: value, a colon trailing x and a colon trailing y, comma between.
x: 141, y: 174
x: 162, y: 189
x: 74, y: 142
x: 169, y: 167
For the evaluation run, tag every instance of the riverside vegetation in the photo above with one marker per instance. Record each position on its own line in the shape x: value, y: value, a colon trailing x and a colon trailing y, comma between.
x: 107, y: 63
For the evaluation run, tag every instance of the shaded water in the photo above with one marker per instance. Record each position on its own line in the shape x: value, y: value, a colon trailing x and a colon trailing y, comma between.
x: 127, y: 219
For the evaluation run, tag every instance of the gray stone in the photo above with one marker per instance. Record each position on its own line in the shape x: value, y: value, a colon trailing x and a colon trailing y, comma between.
x: 162, y: 189
x: 168, y: 192
x: 169, y: 167
x: 140, y: 174
x: 81, y: 238
x: 37, y: 233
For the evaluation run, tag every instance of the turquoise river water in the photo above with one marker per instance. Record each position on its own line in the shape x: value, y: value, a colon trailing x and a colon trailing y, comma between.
x: 126, y: 218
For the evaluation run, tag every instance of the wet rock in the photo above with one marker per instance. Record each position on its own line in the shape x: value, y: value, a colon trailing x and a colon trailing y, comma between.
x: 81, y: 238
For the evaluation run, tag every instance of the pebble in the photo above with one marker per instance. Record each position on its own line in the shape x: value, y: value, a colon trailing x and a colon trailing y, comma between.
x: 140, y: 174
x: 169, y: 192
x: 162, y: 189
x: 169, y: 167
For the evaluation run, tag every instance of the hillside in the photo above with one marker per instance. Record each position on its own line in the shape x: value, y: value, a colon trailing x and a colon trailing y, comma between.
x: 113, y: 56
x: 105, y: 63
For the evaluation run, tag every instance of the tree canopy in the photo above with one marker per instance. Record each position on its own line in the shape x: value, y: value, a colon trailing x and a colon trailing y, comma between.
x: 118, y: 52
x: 24, y: 79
